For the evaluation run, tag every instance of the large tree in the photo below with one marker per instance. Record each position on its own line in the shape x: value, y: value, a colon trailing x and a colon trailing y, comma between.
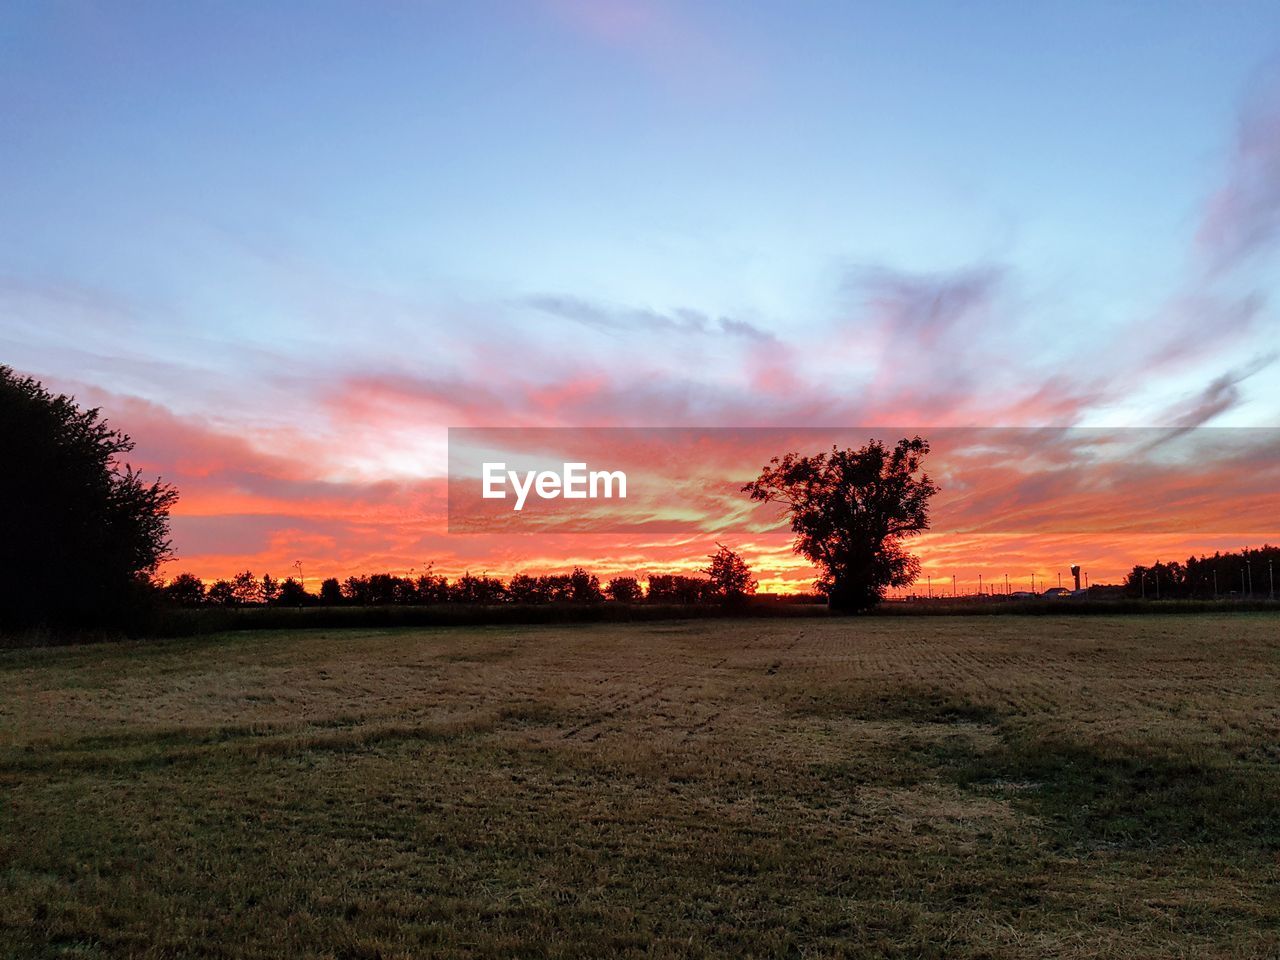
x: 852, y: 511
x: 82, y: 532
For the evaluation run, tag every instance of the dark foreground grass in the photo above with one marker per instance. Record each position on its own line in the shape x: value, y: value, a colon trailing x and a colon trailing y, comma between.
x: 885, y: 787
x: 170, y: 622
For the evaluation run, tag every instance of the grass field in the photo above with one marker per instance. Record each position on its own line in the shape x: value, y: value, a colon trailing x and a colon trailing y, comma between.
x: 911, y: 787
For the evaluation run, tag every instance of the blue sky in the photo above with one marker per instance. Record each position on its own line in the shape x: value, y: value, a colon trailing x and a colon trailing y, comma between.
x: 331, y: 230
x: 728, y: 157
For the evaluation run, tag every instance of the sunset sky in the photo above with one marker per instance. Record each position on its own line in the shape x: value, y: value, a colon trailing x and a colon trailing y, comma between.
x: 288, y: 249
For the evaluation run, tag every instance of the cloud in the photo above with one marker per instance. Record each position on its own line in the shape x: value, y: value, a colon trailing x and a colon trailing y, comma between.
x: 1221, y: 394
x: 1242, y: 218
x: 642, y: 320
x: 929, y: 306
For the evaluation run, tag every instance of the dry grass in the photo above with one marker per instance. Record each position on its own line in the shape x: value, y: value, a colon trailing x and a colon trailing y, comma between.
x: 1005, y: 787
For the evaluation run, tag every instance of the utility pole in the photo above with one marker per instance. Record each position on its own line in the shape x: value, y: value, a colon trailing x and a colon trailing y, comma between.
x: 979, y: 584
x: 1006, y: 584
x: 1271, y: 572
x: 1142, y: 580
x: 931, y: 587
x: 1215, y: 583
x: 953, y: 586
x: 1248, y: 565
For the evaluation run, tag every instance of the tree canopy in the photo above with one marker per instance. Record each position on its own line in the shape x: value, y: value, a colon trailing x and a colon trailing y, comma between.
x: 83, y: 531
x: 730, y: 577
x: 851, y: 511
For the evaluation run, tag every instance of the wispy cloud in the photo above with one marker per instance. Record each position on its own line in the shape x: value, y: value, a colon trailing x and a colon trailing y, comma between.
x: 1242, y: 218
x: 624, y: 320
x: 1221, y: 394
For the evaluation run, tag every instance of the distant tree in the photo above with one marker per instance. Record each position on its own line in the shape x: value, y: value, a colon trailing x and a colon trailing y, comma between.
x: 677, y: 588
x: 431, y: 587
x: 186, y: 590
x: 471, y: 589
x: 356, y: 590
x: 584, y: 587
x: 292, y: 594
x: 730, y: 577
x: 523, y: 588
x: 556, y: 587
x: 383, y: 589
x: 245, y: 588
x: 221, y: 593
x: 1249, y: 572
x: 623, y: 589
x: 852, y: 511
x: 269, y: 588
x: 330, y: 592
x: 72, y: 513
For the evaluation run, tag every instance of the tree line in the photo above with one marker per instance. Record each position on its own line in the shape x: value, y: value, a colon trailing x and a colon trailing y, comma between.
x: 1248, y: 573
x: 726, y: 579
x: 73, y: 513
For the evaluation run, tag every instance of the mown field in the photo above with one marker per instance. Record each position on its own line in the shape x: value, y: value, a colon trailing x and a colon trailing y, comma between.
x: 878, y: 787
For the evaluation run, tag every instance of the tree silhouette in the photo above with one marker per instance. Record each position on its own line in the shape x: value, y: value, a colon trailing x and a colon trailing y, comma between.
x: 584, y: 586
x: 330, y: 592
x: 292, y: 594
x: 623, y: 589
x: 186, y: 590
x: 221, y: 593
x: 676, y: 588
x: 245, y: 588
x: 72, y: 513
x: 851, y: 511
x: 730, y: 577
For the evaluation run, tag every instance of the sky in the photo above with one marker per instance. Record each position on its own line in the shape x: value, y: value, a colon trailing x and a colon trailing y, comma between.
x: 287, y: 246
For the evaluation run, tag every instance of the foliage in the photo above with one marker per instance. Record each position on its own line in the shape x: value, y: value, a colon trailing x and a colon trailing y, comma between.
x: 584, y: 587
x: 676, y: 588
x: 82, y: 531
x: 1250, y: 574
x: 186, y: 590
x: 293, y: 594
x: 730, y: 577
x: 624, y: 590
x: 851, y: 511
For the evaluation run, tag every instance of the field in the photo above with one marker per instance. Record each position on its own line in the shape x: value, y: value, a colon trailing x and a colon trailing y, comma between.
x: 878, y: 787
